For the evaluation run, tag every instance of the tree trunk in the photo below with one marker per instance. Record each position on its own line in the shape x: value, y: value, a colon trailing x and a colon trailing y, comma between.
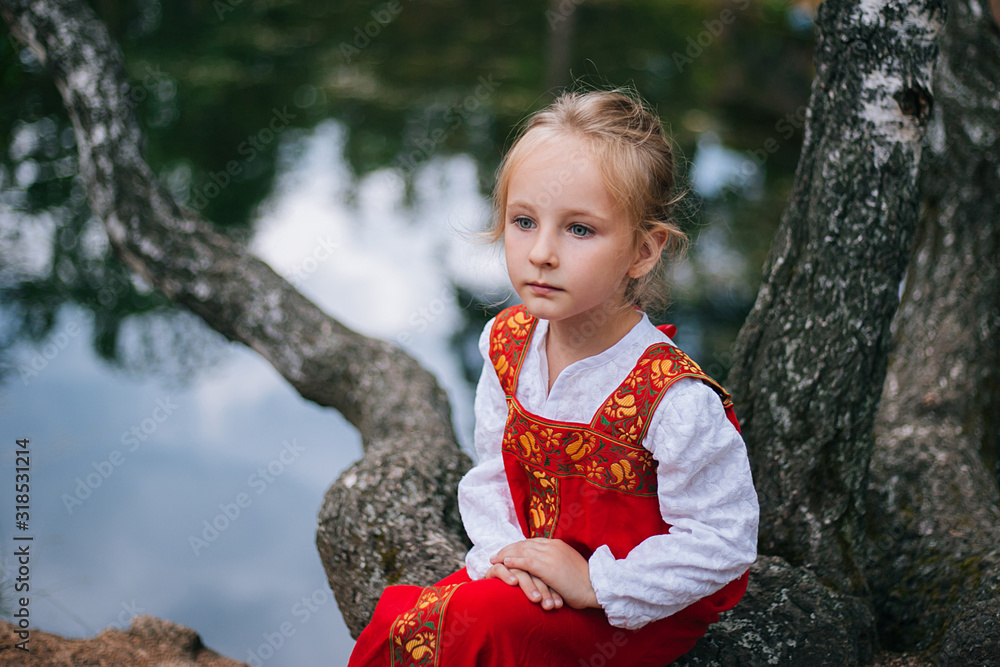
x: 811, y: 358
x: 935, y: 520
x: 392, y: 516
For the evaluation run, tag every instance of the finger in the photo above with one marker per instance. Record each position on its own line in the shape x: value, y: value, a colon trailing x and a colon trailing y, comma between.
x: 512, y: 549
x: 547, y: 601
x: 521, y: 549
x: 528, y: 586
x: 537, y: 564
x: 499, y: 571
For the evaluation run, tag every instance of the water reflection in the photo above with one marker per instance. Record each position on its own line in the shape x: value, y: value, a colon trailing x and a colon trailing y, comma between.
x: 384, y: 267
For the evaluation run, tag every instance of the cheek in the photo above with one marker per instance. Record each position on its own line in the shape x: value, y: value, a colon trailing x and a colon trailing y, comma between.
x: 513, y: 246
x: 510, y: 256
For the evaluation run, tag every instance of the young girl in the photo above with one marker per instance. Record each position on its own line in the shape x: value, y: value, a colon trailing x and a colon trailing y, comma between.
x: 612, y: 510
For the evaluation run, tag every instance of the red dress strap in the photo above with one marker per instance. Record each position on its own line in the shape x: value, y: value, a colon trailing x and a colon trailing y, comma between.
x: 508, y: 343
x: 625, y: 414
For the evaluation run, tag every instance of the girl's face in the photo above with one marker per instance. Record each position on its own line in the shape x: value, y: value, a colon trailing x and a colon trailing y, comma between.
x: 569, y: 248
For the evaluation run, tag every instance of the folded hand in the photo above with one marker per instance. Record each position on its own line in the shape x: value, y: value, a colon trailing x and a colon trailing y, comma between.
x: 549, y: 572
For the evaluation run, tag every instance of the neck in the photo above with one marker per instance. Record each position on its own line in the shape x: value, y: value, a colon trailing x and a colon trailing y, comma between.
x: 575, y: 340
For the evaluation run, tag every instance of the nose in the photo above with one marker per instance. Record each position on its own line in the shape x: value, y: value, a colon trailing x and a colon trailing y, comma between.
x: 543, y: 249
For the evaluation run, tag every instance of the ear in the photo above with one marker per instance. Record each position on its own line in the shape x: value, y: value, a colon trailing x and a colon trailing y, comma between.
x: 648, y: 253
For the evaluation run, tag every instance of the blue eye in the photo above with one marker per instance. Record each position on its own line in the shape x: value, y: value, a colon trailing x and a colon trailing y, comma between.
x: 523, y: 222
x: 576, y: 229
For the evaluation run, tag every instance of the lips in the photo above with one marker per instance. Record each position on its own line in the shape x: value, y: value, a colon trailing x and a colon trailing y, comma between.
x: 543, y: 288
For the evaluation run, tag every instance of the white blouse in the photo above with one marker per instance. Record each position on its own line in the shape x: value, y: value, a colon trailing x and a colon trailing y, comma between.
x: 705, y: 489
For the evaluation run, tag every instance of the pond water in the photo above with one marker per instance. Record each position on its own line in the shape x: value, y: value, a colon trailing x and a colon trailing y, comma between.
x: 197, y: 502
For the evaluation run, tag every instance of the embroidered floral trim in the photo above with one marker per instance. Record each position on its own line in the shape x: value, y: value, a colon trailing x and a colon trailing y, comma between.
x: 625, y: 413
x: 415, y: 635
x: 543, y: 502
x: 508, y: 341
x: 573, y: 450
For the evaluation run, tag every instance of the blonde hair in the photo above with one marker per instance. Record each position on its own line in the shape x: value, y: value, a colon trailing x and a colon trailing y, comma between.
x: 636, y: 160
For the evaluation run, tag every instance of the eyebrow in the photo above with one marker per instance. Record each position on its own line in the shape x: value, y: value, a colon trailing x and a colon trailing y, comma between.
x: 570, y: 213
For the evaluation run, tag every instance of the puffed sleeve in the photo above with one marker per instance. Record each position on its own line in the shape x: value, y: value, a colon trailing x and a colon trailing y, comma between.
x: 706, y: 494
x: 484, y: 499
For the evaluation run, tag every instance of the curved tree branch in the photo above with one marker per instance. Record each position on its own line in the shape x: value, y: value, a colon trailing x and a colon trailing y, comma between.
x: 402, y: 414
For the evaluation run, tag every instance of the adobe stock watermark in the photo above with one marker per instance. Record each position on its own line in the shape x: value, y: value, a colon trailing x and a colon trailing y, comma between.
x: 721, y: 362
x: 457, y: 623
x: 713, y: 29
x: 554, y: 187
x: 758, y: 157
x: 249, y: 148
x: 562, y: 12
x: 987, y: 272
x: 889, y: 536
x: 577, y: 509
x: 453, y: 117
x: 259, y: 482
x: 40, y: 360
x: 125, y: 616
x: 420, y: 319
x: 113, y: 288
x: 580, y: 333
x: 362, y: 36
x: 605, y: 652
x: 131, y: 440
x: 153, y: 78
x: 223, y: 7
x: 302, y: 611
x: 321, y: 252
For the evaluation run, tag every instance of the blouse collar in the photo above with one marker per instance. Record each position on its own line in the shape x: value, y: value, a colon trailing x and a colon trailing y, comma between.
x: 631, y: 339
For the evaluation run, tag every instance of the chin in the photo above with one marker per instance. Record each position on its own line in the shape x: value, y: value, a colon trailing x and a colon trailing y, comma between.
x: 536, y: 312
x: 542, y: 311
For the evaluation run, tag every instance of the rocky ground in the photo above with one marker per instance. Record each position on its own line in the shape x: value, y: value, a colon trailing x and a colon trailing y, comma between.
x: 149, y: 641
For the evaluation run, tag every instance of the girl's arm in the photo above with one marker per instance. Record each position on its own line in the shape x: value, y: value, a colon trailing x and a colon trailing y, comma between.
x: 484, y: 499
x: 706, y: 494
